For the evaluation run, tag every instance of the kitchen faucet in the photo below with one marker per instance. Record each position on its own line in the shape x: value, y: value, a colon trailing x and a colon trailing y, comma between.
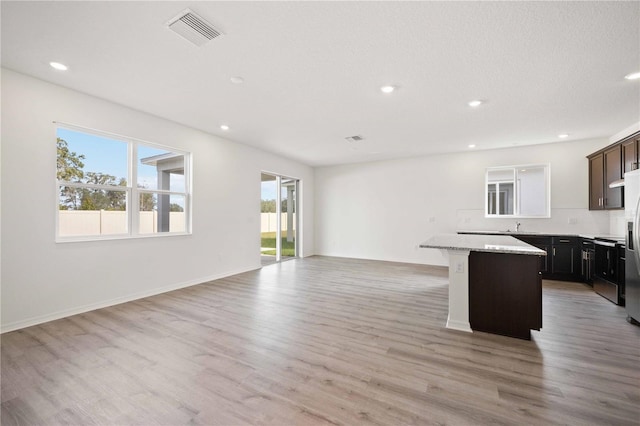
x: 517, y: 226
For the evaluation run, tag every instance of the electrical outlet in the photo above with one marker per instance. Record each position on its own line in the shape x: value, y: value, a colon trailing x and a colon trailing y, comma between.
x: 460, y: 268
x: 467, y: 219
x: 432, y: 219
x: 572, y: 220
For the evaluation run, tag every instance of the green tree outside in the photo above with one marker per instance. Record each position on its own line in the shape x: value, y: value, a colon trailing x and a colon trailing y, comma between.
x: 70, y: 169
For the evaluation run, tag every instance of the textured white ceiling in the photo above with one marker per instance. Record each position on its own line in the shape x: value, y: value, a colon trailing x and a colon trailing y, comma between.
x: 312, y: 70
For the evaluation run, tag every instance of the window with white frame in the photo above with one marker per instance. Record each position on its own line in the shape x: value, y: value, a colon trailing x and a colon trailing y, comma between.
x: 116, y: 187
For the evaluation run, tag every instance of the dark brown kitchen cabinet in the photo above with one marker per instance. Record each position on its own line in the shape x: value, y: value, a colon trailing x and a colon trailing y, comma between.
x: 609, y: 165
x: 629, y: 155
x: 543, y: 243
x: 605, y: 168
x: 596, y: 182
x: 612, y: 173
x: 565, y: 257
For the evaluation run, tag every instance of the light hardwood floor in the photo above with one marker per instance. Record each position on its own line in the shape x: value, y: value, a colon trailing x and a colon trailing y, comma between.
x: 322, y: 341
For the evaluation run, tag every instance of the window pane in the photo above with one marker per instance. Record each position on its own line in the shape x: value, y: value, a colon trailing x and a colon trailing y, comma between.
x: 501, y: 175
x: 85, y: 211
x: 506, y: 198
x: 88, y: 158
x: 160, y: 169
x: 520, y: 191
x: 161, y: 213
x: 532, y: 191
x: 491, y: 198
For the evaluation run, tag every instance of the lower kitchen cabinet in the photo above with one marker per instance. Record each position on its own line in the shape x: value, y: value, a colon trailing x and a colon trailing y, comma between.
x: 543, y: 243
x: 563, y: 259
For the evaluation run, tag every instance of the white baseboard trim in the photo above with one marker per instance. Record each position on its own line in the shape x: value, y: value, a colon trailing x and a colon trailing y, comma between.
x: 17, y: 325
x: 459, y: 325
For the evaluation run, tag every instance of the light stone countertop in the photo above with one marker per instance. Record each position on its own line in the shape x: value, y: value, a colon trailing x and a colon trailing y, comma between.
x: 484, y: 243
x: 609, y: 237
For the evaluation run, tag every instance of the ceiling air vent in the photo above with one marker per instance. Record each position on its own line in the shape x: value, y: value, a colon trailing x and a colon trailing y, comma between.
x: 193, y: 28
x: 356, y: 138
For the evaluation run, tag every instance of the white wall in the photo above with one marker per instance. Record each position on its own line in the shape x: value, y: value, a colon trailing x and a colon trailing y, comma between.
x: 383, y: 210
x: 42, y: 280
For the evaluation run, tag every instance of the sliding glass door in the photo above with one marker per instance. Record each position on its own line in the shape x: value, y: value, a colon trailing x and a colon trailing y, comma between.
x: 278, y: 218
x: 288, y: 217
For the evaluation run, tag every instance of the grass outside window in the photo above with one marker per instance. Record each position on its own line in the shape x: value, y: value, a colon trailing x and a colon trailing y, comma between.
x: 268, y: 240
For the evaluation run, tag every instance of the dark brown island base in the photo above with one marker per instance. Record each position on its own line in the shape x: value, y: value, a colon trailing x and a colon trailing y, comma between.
x: 505, y: 294
x: 494, y: 284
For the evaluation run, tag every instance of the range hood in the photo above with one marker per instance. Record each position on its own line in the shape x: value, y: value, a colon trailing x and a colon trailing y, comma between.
x: 617, y: 183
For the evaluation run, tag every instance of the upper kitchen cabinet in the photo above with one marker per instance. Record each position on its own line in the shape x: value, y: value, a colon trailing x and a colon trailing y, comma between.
x: 605, y: 168
x: 596, y: 182
x: 613, y: 173
x: 629, y: 155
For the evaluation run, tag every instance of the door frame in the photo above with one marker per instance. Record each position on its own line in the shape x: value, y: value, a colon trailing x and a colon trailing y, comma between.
x: 297, y: 208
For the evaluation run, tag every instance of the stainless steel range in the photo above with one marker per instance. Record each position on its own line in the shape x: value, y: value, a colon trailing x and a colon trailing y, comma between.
x: 609, y: 273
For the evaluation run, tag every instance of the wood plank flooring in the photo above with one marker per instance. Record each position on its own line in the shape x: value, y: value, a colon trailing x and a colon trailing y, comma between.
x: 322, y: 341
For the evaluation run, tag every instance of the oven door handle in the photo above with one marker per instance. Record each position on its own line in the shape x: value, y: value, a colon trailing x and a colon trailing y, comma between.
x: 605, y: 243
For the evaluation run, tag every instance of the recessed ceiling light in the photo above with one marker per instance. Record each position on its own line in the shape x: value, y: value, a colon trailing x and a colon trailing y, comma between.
x: 224, y: 127
x: 58, y: 66
x: 632, y: 76
x: 474, y: 104
x: 563, y: 135
x: 387, y: 89
x: 237, y: 80
x: 472, y: 145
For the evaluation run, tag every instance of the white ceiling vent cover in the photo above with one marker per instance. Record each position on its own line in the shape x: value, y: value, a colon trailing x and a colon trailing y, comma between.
x: 193, y: 28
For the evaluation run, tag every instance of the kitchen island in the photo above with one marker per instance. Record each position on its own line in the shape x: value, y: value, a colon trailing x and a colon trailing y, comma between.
x: 494, y: 283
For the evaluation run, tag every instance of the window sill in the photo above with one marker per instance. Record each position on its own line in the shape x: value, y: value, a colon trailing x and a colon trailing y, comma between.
x: 93, y: 238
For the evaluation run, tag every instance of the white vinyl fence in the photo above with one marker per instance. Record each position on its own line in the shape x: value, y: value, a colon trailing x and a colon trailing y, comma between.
x: 103, y: 222
x: 269, y: 223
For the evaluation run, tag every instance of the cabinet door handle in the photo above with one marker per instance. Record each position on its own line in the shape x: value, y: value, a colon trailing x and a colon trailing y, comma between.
x: 554, y: 251
x: 565, y: 241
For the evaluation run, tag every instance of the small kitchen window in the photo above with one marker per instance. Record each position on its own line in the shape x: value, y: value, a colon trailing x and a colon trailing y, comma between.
x: 518, y: 191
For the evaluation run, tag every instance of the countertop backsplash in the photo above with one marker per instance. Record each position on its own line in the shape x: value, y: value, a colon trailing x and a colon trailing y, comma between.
x: 562, y: 221
x: 617, y: 222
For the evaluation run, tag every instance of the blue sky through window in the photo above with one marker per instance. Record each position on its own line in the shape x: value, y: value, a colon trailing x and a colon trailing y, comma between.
x: 102, y: 155
x: 109, y: 156
x: 268, y: 190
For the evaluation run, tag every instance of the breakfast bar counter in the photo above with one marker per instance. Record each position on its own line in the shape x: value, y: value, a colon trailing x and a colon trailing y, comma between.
x: 494, y: 283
